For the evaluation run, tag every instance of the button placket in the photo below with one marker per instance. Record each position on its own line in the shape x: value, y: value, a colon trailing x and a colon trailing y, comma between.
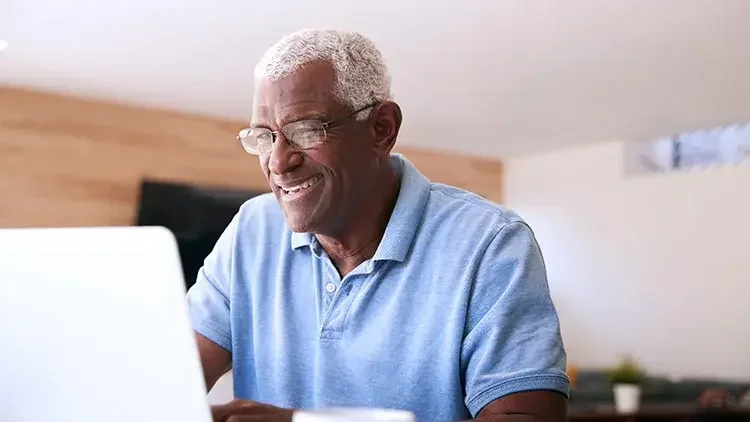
x: 341, y: 296
x: 333, y: 326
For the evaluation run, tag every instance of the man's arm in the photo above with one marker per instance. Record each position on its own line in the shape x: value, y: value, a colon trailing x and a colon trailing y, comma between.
x: 216, y: 360
x: 208, y: 306
x: 512, y: 354
x: 536, y: 406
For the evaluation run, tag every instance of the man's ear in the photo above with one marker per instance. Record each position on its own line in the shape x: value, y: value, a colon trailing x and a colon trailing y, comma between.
x: 386, y: 122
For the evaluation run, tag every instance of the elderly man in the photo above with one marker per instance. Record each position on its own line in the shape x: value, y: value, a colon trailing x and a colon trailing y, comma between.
x: 358, y: 282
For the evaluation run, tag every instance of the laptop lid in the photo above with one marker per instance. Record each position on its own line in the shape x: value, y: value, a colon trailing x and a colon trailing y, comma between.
x: 94, y: 327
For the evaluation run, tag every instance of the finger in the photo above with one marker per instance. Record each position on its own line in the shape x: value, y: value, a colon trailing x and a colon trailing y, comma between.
x: 220, y: 413
x: 252, y: 407
x: 276, y: 417
x: 252, y: 418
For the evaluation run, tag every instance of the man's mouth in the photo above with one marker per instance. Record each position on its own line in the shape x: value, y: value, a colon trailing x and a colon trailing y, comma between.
x: 299, y: 188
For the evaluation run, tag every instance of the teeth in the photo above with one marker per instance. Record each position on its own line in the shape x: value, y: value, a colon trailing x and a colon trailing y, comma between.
x: 304, y: 185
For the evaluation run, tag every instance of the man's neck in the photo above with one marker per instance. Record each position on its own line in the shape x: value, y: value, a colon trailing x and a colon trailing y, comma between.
x: 358, y: 241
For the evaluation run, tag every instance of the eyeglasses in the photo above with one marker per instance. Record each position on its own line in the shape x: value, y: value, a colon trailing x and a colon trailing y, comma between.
x: 302, y: 134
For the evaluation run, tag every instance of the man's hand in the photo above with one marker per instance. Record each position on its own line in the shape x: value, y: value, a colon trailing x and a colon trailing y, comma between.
x: 249, y: 411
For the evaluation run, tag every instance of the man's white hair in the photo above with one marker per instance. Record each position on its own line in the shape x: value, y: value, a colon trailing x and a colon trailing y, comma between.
x: 361, y: 73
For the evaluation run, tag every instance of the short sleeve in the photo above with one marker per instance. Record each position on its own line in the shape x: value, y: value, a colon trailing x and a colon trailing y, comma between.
x: 208, y: 298
x: 512, y: 340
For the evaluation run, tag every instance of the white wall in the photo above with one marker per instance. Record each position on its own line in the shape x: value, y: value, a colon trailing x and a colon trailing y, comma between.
x: 653, y: 265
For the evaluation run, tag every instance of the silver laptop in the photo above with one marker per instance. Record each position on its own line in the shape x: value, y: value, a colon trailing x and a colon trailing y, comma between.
x: 94, y: 327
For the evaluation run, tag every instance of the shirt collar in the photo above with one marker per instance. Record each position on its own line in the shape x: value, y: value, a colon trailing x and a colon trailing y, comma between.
x: 404, y: 221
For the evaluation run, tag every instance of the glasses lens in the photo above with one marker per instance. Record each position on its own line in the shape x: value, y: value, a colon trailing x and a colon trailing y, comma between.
x: 256, y: 140
x: 305, y: 133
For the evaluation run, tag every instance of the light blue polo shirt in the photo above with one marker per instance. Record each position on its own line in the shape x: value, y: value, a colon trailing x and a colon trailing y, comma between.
x: 451, y: 313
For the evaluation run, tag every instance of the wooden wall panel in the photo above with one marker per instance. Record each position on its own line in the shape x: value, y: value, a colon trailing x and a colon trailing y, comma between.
x: 68, y: 162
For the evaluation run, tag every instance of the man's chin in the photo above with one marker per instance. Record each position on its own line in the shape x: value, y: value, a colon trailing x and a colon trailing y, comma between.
x: 299, y: 228
x: 304, y: 219
x: 300, y: 223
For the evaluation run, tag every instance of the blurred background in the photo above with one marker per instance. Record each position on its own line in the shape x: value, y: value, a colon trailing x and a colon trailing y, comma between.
x: 618, y: 129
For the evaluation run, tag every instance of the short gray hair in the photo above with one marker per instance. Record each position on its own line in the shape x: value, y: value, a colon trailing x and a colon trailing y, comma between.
x: 361, y: 73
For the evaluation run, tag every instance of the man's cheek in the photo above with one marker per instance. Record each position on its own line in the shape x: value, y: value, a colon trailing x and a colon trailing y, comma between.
x: 263, y: 162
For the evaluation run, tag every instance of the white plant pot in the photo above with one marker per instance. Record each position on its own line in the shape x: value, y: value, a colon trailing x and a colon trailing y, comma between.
x: 627, y: 398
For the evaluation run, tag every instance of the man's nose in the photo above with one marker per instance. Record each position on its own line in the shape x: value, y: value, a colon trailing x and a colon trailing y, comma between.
x: 283, y: 157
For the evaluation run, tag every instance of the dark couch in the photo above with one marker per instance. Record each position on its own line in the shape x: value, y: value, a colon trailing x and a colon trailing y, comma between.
x: 593, y: 390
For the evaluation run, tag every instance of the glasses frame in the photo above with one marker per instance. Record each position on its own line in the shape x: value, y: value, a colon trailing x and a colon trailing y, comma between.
x: 256, y: 150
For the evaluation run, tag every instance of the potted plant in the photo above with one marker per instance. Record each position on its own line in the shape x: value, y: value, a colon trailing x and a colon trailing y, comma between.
x: 626, y: 379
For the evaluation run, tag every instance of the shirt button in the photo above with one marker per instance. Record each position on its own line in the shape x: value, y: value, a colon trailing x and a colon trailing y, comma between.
x: 330, y: 287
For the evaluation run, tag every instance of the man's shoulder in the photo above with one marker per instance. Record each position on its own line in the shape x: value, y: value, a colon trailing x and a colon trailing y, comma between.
x: 447, y: 202
x: 468, y: 226
x: 259, y: 214
x: 264, y: 202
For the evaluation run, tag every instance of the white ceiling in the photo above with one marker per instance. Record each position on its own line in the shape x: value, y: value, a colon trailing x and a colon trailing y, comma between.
x: 495, y: 77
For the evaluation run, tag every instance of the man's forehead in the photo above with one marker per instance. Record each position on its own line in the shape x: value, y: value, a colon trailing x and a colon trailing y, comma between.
x: 291, y: 107
x: 304, y: 93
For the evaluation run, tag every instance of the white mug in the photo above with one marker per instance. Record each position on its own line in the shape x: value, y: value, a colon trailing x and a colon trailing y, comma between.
x: 353, y: 415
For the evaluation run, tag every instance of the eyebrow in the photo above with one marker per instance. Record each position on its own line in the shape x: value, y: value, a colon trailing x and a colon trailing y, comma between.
x: 313, y: 115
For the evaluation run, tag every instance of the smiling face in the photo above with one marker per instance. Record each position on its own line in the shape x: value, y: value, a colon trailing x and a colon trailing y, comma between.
x: 318, y: 188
